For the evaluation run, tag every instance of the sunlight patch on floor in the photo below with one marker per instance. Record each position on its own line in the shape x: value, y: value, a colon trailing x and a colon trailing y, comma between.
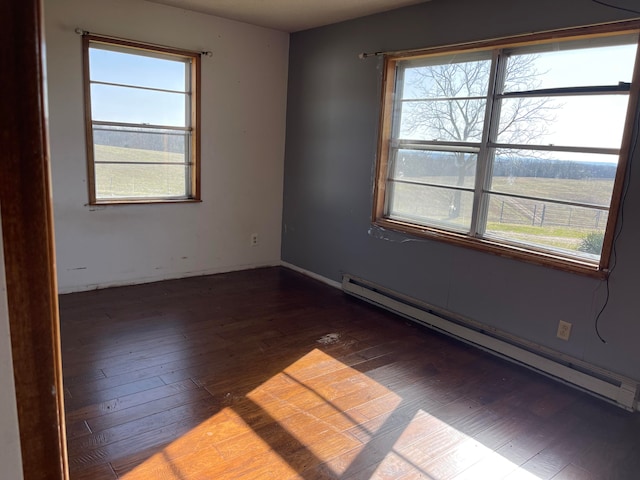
x: 205, y: 452
x: 329, y: 399
x: 320, y: 415
x: 429, y: 448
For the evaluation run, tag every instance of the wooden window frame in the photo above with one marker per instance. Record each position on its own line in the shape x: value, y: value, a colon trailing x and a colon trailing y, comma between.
x: 541, y: 257
x: 28, y: 241
x: 193, y: 58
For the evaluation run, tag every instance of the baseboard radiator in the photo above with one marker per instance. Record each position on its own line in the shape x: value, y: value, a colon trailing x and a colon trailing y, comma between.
x: 607, y: 385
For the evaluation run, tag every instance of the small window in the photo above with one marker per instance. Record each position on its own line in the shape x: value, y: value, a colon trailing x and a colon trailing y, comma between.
x: 519, y: 149
x: 142, y: 122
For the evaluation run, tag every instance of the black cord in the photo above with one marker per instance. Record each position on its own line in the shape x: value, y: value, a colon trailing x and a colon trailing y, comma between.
x: 632, y: 152
x: 624, y: 194
x: 606, y: 301
x: 605, y: 4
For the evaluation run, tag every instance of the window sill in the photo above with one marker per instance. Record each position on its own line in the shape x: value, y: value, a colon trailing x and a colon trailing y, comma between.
x: 546, y: 259
x: 146, y: 201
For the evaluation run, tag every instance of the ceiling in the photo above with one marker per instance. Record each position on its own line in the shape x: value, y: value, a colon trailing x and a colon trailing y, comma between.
x: 289, y: 15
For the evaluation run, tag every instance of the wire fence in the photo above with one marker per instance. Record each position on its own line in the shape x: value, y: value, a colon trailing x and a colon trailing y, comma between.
x: 544, y: 214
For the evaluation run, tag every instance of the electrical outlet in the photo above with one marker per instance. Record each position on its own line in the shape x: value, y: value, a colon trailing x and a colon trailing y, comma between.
x: 564, y: 330
x: 254, y: 239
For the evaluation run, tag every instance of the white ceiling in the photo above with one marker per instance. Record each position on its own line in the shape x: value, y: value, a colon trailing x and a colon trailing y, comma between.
x: 289, y: 15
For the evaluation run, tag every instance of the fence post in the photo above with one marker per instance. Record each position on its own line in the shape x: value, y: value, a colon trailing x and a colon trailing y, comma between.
x: 501, y: 210
x: 544, y: 210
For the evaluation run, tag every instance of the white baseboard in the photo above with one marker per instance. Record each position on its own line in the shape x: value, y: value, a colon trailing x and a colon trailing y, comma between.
x: 173, y: 276
x: 315, y: 276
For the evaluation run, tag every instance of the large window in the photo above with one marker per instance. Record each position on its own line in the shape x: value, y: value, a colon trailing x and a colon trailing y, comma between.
x: 142, y: 129
x: 519, y: 149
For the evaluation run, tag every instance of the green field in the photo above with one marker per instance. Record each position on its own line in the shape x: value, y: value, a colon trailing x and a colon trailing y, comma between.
x: 542, y: 223
x: 138, y: 180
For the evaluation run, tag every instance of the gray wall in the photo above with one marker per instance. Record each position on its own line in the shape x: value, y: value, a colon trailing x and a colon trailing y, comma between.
x: 332, y: 126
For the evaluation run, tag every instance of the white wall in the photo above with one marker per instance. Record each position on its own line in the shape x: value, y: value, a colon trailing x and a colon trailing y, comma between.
x: 243, y: 107
x: 10, y: 459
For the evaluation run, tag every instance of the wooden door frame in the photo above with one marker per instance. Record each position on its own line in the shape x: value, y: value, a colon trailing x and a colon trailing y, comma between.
x: 27, y: 234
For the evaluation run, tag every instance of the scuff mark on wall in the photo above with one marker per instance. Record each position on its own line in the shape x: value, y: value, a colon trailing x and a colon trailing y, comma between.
x: 382, y: 233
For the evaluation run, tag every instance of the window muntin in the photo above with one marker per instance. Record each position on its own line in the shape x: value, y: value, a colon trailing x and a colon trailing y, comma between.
x: 545, y: 146
x: 142, y: 126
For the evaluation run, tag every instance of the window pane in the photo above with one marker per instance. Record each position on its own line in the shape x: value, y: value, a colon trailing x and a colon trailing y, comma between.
x: 431, y: 206
x: 572, y: 177
x: 115, y: 144
x: 568, y: 66
x: 132, y: 105
x: 462, y: 75
x: 574, y: 231
x: 459, y: 120
x: 577, y: 121
x: 140, y: 181
x: 439, y: 168
x: 137, y: 69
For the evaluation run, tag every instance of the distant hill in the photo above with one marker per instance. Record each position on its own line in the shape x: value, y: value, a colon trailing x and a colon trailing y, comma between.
x: 143, y: 139
x: 426, y: 164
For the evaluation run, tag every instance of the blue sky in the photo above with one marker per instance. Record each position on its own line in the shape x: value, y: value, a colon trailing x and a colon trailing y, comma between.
x: 592, y: 121
x: 133, y: 105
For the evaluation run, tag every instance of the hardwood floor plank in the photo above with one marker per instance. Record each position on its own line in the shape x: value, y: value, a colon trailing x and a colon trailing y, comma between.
x: 77, y: 373
x: 106, y: 383
x: 398, y: 417
x: 454, y: 461
x: 113, y: 451
x: 113, y: 405
x: 558, y: 455
x: 89, y: 397
x: 77, y: 429
x: 197, y: 411
x: 504, y: 429
x: 532, y: 441
x: 102, y: 471
x: 99, y: 423
x: 490, y: 466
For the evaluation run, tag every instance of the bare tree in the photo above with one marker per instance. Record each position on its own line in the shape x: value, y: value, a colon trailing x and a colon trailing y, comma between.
x: 454, y: 110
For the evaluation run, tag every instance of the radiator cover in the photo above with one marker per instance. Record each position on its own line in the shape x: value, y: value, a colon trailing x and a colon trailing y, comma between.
x: 617, y: 389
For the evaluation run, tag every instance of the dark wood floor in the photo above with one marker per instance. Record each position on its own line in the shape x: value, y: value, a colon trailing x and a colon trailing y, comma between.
x: 268, y: 374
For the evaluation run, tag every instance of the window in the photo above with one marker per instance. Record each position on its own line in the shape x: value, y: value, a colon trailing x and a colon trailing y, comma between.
x: 518, y: 149
x: 142, y: 122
